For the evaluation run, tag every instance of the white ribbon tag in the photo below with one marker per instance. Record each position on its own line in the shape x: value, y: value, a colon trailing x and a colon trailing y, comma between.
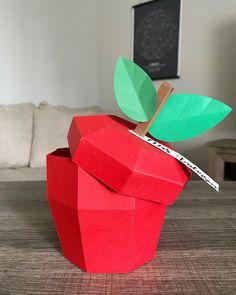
x: 180, y: 158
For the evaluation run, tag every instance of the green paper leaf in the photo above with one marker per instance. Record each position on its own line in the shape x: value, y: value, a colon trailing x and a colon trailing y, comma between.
x: 187, y: 115
x: 134, y: 91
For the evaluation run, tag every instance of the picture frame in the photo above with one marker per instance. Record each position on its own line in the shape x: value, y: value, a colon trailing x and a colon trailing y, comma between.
x: 156, y: 37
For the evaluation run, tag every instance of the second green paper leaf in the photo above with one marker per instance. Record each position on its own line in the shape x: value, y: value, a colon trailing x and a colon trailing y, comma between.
x: 187, y: 115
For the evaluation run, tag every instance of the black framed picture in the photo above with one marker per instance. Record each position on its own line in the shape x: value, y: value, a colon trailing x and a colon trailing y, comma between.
x: 156, y: 37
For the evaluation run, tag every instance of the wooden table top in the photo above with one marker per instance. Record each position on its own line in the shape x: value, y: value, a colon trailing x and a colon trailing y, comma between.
x: 196, y: 252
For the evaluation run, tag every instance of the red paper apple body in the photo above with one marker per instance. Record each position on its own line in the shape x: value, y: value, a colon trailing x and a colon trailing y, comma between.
x: 109, y: 194
x: 100, y: 230
x: 103, y: 146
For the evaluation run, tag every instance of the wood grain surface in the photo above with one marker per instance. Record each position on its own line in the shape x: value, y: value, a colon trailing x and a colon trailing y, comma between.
x: 196, y: 252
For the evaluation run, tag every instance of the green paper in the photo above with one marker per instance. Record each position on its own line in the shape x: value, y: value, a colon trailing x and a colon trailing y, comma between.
x: 187, y: 115
x: 134, y: 91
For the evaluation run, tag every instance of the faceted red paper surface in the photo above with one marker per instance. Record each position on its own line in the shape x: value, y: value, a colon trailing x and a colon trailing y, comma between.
x: 100, y: 230
x: 103, y: 146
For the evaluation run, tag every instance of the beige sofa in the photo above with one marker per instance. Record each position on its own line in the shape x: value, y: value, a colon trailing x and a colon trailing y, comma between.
x: 28, y: 133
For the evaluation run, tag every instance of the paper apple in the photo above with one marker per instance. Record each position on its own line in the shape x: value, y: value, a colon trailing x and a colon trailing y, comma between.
x: 101, y: 204
x: 109, y: 194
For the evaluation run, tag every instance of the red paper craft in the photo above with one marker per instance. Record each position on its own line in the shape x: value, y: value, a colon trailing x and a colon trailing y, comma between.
x: 102, y: 146
x: 100, y: 230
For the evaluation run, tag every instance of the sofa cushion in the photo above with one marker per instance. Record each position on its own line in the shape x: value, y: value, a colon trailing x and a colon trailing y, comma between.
x: 16, y: 125
x: 51, y: 125
x: 22, y: 174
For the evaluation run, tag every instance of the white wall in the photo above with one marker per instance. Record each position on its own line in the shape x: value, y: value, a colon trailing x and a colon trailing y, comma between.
x: 208, y: 59
x: 48, y: 51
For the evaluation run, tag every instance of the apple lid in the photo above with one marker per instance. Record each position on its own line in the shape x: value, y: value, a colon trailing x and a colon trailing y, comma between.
x: 103, y: 146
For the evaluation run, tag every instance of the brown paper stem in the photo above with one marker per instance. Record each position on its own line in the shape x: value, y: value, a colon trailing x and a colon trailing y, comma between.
x: 163, y: 93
